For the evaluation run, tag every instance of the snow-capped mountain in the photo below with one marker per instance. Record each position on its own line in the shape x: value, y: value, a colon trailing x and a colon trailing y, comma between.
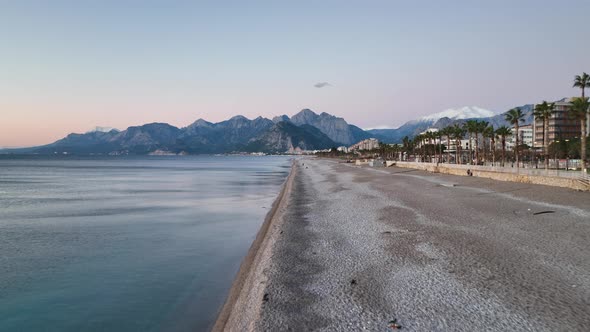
x: 101, y: 129
x: 446, y: 118
x: 467, y: 112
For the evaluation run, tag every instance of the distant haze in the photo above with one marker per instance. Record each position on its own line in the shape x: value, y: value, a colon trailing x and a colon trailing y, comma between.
x: 69, y: 66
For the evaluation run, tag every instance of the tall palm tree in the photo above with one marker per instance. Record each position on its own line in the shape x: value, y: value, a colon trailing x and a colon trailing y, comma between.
x: 423, y: 140
x: 447, y: 132
x: 579, y: 111
x: 582, y: 82
x: 433, y: 137
x: 489, y: 133
x: 407, y: 146
x: 515, y: 117
x: 470, y: 127
x: 438, y: 146
x: 479, y: 128
x: 458, y: 133
x: 426, y: 139
x: 419, y: 142
x: 544, y: 111
x: 395, y: 150
x: 441, y: 147
x: 503, y: 132
x: 493, y: 144
x: 432, y: 145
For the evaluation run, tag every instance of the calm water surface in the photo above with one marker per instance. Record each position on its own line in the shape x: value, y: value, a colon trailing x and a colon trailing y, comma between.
x: 126, y: 243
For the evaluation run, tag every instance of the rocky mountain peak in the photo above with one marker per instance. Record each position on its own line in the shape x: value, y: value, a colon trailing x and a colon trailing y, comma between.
x: 239, y: 118
x: 337, y: 129
x: 281, y: 118
x: 201, y: 123
x: 305, y: 116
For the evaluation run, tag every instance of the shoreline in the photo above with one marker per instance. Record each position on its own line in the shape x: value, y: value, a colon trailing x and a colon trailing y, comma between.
x: 246, y: 286
x: 348, y: 249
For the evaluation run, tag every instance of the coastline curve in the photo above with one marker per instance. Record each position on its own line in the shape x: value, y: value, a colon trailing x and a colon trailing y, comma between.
x: 246, y: 293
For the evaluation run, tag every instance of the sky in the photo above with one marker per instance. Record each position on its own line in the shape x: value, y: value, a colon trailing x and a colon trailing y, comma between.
x: 68, y: 66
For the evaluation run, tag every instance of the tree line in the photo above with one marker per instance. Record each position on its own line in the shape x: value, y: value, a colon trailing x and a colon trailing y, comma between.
x: 482, y: 137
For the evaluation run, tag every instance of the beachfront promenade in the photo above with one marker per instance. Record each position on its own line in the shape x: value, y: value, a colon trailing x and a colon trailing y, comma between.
x: 525, y: 170
x: 352, y: 248
x: 559, y: 178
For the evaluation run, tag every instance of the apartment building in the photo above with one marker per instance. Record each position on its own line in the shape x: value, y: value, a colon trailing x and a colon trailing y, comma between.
x: 561, y: 125
x: 367, y: 144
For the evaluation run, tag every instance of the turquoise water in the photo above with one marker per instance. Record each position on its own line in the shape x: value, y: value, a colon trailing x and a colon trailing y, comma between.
x: 126, y: 244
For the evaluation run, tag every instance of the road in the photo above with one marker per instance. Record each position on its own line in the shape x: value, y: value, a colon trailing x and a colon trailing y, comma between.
x: 361, y: 246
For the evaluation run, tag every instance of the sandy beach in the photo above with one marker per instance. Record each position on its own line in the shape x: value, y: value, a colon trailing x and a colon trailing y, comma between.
x: 347, y: 248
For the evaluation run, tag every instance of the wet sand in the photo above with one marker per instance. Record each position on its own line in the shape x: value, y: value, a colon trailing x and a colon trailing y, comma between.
x: 352, y: 248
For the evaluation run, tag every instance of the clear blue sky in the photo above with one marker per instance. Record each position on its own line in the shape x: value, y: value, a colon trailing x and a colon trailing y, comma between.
x: 67, y: 66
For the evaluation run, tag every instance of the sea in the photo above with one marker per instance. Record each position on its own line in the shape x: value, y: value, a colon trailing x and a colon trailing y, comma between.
x: 148, y: 243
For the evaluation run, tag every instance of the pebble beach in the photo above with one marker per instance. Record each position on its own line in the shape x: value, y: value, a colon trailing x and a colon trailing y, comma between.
x: 350, y: 248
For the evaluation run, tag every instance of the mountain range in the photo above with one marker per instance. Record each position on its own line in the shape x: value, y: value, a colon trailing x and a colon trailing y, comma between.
x: 305, y: 130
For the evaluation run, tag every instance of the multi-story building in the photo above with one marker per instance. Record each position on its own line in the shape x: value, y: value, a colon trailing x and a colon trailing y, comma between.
x: 525, y: 136
x: 432, y: 141
x: 561, y: 125
x: 367, y: 144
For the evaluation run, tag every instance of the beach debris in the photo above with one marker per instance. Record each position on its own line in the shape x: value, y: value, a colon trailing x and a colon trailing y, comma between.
x: 543, y: 212
x: 281, y: 232
x: 353, y: 282
x: 265, y: 298
x: 394, y: 325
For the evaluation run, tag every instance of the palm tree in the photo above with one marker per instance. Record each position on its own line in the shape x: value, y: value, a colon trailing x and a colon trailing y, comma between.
x: 395, y: 150
x: 503, y: 132
x: 493, y: 144
x: 427, y: 140
x: 579, y: 111
x: 419, y: 142
x: 441, y: 147
x: 582, y: 82
x: 515, y: 117
x: 488, y: 132
x: 422, y: 138
x: 479, y: 128
x: 458, y: 133
x: 433, y: 137
x: 470, y: 127
x: 544, y: 111
x: 407, y: 146
x: 447, y: 132
x: 427, y: 145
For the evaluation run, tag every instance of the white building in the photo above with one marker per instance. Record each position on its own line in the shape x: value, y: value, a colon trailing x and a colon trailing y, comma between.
x: 431, y: 141
x: 367, y: 144
x: 525, y: 136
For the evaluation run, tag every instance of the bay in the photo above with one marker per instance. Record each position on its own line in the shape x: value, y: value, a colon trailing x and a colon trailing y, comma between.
x: 127, y: 243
